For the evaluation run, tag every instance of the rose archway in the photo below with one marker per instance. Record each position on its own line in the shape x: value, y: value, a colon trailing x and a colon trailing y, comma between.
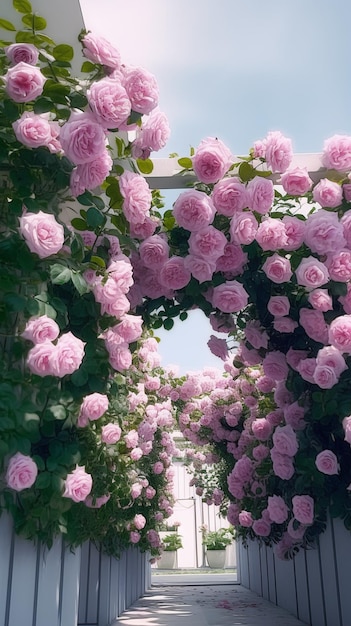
x: 259, y: 247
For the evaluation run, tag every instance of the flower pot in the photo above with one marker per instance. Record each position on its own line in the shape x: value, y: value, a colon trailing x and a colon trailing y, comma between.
x: 216, y: 558
x: 168, y: 560
x: 37, y: 582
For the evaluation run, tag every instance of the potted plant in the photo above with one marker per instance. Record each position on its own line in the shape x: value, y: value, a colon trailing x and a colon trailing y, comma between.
x: 215, y: 542
x: 170, y: 544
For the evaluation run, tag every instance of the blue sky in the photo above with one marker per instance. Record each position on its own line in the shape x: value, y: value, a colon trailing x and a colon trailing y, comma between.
x: 235, y: 70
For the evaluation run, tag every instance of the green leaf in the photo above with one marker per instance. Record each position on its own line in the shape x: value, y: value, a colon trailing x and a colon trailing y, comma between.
x: 79, y: 224
x: 63, y: 52
x: 96, y: 260
x: 7, y: 25
x: 95, y: 218
x: 186, y: 163
x: 42, y: 105
x: 43, y: 480
x: 55, y: 412
x: 88, y: 67
x: 246, y: 172
x: 80, y: 283
x: 59, y: 274
x: 183, y: 316
x: 85, y: 198
x: 78, y: 100
x: 35, y: 22
x: 22, y: 6
x: 145, y: 165
x: 168, y: 323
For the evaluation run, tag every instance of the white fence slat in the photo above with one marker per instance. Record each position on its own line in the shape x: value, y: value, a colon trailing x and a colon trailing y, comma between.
x: 70, y: 586
x: 48, y: 590
x: 6, y: 543
x: 329, y: 578
x: 83, y: 583
x: 285, y: 585
x: 23, y: 583
x: 343, y: 561
x: 303, y: 601
x: 93, y: 585
x: 255, y: 567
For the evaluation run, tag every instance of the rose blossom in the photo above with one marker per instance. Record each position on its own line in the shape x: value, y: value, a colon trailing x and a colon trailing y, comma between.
x: 311, y: 273
x: 283, y: 466
x: 261, y: 527
x: 229, y: 196
x: 211, y: 160
x: 110, y: 434
x: 256, y: 335
x: 245, y: 519
x: 284, y: 325
x: 261, y: 428
x: 90, y: 175
x: 294, y: 415
x: 142, y: 89
x: 24, y: 82
x: 21, y: 472
x: 137, y: 196
x: 154, y: 252
x: 339, y: 265
x: 130, y: 328
x: 208, y: 242
x: 233, y: 260
x: 277, y: 268
x: 330, y: 356
x: 285, y: 441
x: 306, y: 369
x: 271, y: 234
x: 260, y: 193
x: 96, y: 503
x: 293, y: 357
x: 295, y: 232
x: 275, y: 365
x: 340, y: 333
x: 229, y: 297
x: 99, y: 50
x: 92, y: 408
x: 265, y: 384
x: 327, y: 193
x: 324, y: 232
x: 193, y: 210
x: 173, y: 274
x: 32, y: 130
x: 154, y: 135
x: 337, y: 153
x: 139, y: 521
x: 314, y: 324
x: 320, y: 300
x: 277, y: 509
x: 243, y: 228
x: 42, y: 233
x: 82, y: 138
x: 327, y: 463
x: 278, y: 151
x: 278, y: 305
x: 218, y: 347
x: 346, y: 225
x: 41, y: 329
x: 68, y: 355
x: 303, y: 509
x: 39, y: 359
x: 346, y: 188
x: 158, y: 467
x: 25, y: 52
x: 109, y: 102
x: 202, y: 269
x: 78, y: 484
x: 296, y: 182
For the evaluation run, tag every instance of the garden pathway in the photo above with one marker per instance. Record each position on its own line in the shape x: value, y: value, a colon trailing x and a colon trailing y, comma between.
x: 202, y: 605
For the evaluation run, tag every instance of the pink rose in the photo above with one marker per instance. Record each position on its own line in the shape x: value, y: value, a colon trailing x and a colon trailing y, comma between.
x: 327, y: 463
x: 293, y: 357
x: 68, y: 355
x: 82, y: 138
x: 277, y: 269
x: 294, y: 415
x: 346, y: 300
x: 261, y: 428
x: 340, y: 333
x: 230, y: 297
x: 158, y: 467
x: 259, y: 148
x: 208, y: 242
x: 311, y: 273
x: 21, y: 472
x: 339, y: 265
x: 278, y: 305
x: 346, y: 424
x: 320, y: 300
x: 261, y: 527
x: 277, y: 509
x: 43, y: 235
x: 99, y: 50
x: 260, y: 194
x: 306, y: 369
x: 139, y: 521
x: 202, y: 269
x: 295, y: 232
x: 283, y: 465
x: 296, y: 182
x: 193, y: 210
x: 145, y: 229
x: 110, y: 434
x: 233, y: 260
x: 260, y: 452
x: 24, y: 82
x: 90, y: 175
x: 314, y: 324
x: 256, y: 335
x: 154, y: 135
x: 271, y: 234
x: 22, y: 52
x: 211, y: 160
x: 142, y: 89
x: 173, y: 274
x: 154, y: 252
x: 265, y: 384
x: 130, y: 328
x: 92, y: 408
x: 137, y: 196
x: 346, y: 188
x: 40, y: 357
x: 284, y: 325
x: 243, y: 228
x: 324, y: 232
x: 96, y: 503
x: 109, y: 102
x: 78, y: 485
x: 330, y: 356
x: 337, y: 153
x: 32, y: 130
x: 120, y: 357
x: 278, y: 151
x: 285, y: 441
x: 218, y: 347
x: 275, y: 365
x: 41, y: 329
x: 229, y: 196
x: 327, y: 193
x: 136, y: 454
x: 346, y: 225
x: 245, y: 519
x: 303, y: 509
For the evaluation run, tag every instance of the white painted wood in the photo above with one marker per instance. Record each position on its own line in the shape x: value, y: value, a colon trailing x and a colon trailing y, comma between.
x: 48, y: 599
x: 303, y: 606
x: 255, y: 567
x: 23, y: 581
x: 70, y: 563
x: 343, y: 561
x: 330, y: 578
x: 315, y: 588
x: 6, y: 545
x: 272, y: 591
x: 285, y: 585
